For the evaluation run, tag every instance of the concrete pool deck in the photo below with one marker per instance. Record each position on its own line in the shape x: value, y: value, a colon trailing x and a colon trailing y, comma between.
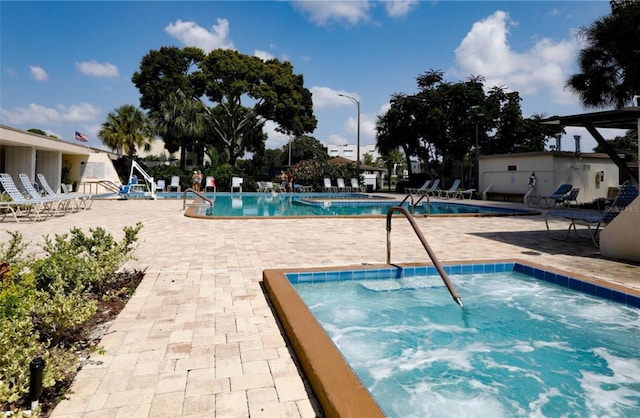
x: 198, y: 338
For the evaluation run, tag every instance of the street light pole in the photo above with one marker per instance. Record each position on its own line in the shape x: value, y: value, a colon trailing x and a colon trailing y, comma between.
x: 357, y: 102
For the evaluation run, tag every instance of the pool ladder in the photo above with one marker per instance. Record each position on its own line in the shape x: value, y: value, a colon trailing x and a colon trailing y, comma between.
x: 200, y: 195
x: 413, y: 204
x: 425, y: 244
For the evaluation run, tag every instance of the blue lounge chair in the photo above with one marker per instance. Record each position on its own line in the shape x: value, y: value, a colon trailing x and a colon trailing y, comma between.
x: 451, y: 192
x: 421, y: 190
x: 554, y: 199
x: 594, y: 221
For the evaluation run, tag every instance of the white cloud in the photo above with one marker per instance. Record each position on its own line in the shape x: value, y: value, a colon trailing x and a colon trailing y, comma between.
x: 367, y: 128
x: 324, y: 12
x: 543, y: 68
x: 400, y: 8
x: 97, y: 69
x: 190, y: 34
x: 275, y: 139
x: 326, y: 96
x: 263, y: 55
x: 37, y: 114
x: 38, y: 73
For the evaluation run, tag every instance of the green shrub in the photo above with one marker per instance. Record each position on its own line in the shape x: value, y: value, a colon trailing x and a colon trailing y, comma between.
x: 45, y: 302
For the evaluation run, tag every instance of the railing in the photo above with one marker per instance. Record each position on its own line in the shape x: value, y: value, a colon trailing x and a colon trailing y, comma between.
x: 413, y: 204
x: 200, y: 195
x: 434, y: 259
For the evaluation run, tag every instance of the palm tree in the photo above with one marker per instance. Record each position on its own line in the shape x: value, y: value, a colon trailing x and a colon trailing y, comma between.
x: 126, y: 130
x: 180, y: 121
x: 610, y: 61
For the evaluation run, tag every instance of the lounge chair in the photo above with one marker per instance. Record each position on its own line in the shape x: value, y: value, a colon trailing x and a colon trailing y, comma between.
x: 340, y: 186
x: 355, y: 186
x: 451, y: 191
x: 175, y: 184
x: 433, y: 189
x: 571, y: 198
x: 465, y: 194
x: 210, y: 184
x: 68, y: 199
x: 19, y: 205
x: 86, y: 199
x: 552, y: 200
x: 328, y: 187
x: 420, y: 190
x: 628, y: 193
x: 236, y: 184
x: 51, y: 203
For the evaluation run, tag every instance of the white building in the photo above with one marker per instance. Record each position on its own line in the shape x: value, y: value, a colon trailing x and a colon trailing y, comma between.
x: 349, y: 151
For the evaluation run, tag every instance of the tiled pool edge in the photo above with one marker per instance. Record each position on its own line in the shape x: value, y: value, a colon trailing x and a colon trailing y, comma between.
x: 590, y: 286
x: 339, y: 391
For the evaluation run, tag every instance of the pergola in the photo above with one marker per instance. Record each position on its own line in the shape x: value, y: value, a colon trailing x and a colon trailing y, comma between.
x: 625, y: 118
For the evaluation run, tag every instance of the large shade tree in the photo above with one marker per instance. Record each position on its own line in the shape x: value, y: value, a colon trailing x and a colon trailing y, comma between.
x: 609, y: 63
x: 441, y: 123
x: 241, y: 92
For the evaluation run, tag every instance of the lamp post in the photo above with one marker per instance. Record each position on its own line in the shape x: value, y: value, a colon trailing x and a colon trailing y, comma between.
x: 357, y: 102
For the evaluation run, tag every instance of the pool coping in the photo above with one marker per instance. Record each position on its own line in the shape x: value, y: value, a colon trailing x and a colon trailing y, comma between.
x: 334, y: 383
x: 193, y: 208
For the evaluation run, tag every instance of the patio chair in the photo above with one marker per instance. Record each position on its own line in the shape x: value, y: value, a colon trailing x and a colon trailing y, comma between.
x: 51, y: 203
x: 418, y: 190
x: 434, y: 188
x: 175, y: 184
x: 160, y: 185
x: 628, y: 193
x: 68, y: 199
x: 571, y: 198
x: 19, y: 205
x: 236, y: 184
x: 355, y: 186
x: 464, y: 194
x: 552, y: 200
x: 328, y: 187
x: 340, y: 186
x: 210, y: 184
x: 451, y: 191
x: 86, y: 199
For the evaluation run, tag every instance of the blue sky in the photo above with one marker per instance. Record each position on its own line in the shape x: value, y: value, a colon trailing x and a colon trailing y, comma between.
x: 66, y: 65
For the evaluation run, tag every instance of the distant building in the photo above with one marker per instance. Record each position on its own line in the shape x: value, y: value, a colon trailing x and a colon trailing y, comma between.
x: 349, y: 151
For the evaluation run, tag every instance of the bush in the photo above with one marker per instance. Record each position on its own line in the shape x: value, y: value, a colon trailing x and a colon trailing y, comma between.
x: 47, y: 304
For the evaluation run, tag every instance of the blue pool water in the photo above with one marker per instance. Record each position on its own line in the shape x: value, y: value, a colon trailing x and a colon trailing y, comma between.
x: 520, y: 347
x: 297, y: 204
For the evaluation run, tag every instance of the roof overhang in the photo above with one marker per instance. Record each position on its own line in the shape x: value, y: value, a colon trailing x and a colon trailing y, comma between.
x: 625, y: 118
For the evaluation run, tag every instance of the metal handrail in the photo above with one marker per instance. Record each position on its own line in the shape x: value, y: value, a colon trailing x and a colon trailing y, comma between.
x: 184, y: 198
x: 434, y: 259
x: 413, y: 204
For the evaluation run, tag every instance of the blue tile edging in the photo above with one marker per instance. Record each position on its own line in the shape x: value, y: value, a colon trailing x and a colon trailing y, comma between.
x: 411, y: 271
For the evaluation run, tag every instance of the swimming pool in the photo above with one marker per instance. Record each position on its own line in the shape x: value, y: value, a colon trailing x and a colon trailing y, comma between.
x: 260, y: 205
x: 529, y: 342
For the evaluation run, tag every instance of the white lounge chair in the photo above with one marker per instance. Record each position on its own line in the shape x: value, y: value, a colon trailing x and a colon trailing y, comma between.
x: 175, y: 184
x: 236, y: 184
x: 19, y: 205
x: 433, y: 189
x: 355, y: 186
x: 328, y: 187
x: 340, y: 186
x: 86, y: 199
x: 51, y: 193
x: 465, y: 194
x: 52, y: 204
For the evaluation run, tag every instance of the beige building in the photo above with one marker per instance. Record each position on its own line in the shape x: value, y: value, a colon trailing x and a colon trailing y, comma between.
x: 508, y: 175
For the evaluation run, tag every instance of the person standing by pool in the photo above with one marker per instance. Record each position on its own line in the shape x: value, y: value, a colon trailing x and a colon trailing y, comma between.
x: 196, y: 180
